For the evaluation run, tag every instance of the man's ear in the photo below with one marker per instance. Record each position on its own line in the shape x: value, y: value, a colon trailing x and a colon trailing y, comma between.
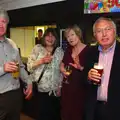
x: 94, y: 35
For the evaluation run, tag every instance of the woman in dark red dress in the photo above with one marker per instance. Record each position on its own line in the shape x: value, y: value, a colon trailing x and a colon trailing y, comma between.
x: 73, y: 92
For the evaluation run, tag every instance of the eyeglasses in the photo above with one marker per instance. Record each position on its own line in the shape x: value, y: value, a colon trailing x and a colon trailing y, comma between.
x: 107, y: 29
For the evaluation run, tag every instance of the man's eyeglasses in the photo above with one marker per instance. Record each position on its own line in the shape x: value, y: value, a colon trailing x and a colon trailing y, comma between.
x: 107, y: 29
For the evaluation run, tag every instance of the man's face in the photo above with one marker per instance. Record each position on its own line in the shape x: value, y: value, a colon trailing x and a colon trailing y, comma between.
x: 40, y: 34
x: 105, y: 33
x: 3, y: 26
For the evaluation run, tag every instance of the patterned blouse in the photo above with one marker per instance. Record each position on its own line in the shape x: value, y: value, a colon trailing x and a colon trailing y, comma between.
x: 52, y: 76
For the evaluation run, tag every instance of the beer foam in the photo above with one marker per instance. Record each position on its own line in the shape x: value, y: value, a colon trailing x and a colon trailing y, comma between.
x: 98, y: 66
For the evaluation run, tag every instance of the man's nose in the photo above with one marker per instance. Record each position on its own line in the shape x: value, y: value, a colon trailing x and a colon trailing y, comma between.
x: 1, y: 24
x: 103, y: 32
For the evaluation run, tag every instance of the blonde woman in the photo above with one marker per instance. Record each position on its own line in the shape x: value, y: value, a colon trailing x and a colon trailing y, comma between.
x: 73, y: 91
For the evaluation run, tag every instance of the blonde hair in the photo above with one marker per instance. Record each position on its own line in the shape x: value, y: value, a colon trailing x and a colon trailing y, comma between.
x: 4, y: 14
x: 77, y: 31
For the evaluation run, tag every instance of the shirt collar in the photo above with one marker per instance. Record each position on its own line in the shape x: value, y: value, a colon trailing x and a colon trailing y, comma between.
x: 4, y: 40
x: 109, y: 49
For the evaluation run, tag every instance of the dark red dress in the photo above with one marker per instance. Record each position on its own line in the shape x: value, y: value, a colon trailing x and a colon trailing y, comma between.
x: 73, y: 94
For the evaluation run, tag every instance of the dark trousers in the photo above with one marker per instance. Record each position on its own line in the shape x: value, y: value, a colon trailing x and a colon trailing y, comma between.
x: 48, y: 107
x: 10, y: 105
x: 100, y: 111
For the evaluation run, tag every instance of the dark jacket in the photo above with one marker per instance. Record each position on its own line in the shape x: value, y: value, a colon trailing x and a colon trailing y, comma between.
x: 113, y: 103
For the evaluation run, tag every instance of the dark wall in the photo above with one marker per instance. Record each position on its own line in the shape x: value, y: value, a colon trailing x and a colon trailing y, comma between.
x: 61, y: 13
x: 65, y: 12
x: 89, y: 19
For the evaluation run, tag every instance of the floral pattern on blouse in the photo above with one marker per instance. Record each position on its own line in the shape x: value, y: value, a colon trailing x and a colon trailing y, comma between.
x: 52, y: 76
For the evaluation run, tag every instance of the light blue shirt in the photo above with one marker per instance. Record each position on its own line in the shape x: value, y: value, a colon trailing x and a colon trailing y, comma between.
x: 105, y: 59
x: 10, y: 52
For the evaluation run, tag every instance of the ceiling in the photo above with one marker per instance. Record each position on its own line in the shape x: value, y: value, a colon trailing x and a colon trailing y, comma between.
x: 16, y: 4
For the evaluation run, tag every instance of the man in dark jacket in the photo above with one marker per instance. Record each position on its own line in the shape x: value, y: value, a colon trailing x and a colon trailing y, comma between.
x: 103, y: 101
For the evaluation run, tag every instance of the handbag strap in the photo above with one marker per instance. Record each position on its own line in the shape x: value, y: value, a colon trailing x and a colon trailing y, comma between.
x: 44, y: 68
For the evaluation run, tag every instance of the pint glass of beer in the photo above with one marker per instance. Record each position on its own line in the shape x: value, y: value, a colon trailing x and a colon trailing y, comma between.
x: 15, y: 75
x: 99, y: 68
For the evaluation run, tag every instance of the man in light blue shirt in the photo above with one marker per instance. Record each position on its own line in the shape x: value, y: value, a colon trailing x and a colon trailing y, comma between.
x: 11, y: 69
x: 103, y: 97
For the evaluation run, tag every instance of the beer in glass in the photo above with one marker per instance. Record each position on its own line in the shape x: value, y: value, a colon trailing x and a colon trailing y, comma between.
x: 99, y: 68
x: 15, y: 75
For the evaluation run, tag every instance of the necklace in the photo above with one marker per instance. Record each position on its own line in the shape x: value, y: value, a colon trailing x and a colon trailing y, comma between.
x: 49, y: 50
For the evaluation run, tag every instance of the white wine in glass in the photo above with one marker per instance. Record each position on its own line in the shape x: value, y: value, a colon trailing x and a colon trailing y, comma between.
x: 68, y: 69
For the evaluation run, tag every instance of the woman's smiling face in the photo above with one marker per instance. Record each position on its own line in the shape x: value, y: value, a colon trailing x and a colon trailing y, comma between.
x: 50, y: 39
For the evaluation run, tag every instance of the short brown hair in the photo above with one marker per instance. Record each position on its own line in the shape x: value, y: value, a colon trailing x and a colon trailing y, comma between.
x: 40, y: 30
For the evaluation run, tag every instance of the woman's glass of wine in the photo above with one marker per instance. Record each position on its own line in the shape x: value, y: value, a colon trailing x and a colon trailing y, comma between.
x: 68, y: 69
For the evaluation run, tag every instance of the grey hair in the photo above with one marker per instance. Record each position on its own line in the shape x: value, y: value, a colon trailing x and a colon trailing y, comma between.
x: 105, y: 19
x: 4, y: 14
